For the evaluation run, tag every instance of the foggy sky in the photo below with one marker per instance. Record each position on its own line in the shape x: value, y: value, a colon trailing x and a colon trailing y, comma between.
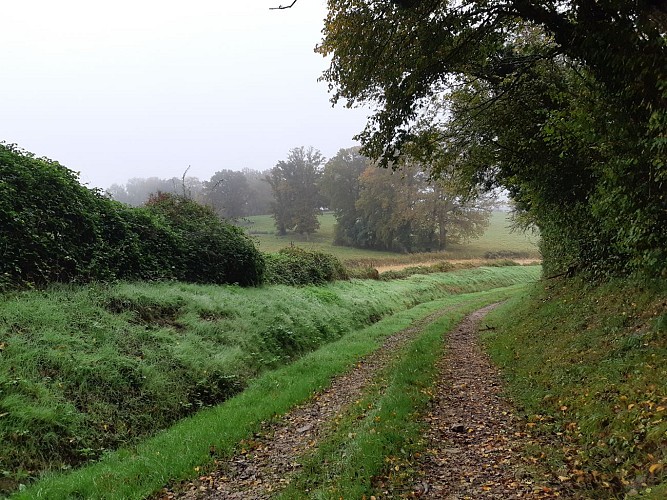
x: 141, y: 88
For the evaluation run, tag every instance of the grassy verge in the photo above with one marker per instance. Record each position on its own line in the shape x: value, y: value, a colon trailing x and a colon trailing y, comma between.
x: 589, y: 364
x: 183, y: 450
x: 381, y: 434
x: 84, y: 370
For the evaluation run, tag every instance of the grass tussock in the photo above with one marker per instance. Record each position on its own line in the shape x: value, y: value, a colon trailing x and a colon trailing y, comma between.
x: 84, y: 370
x: 588, y: 364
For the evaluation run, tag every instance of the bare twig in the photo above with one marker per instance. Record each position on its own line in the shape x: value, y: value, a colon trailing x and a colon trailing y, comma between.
x: 282, y: 7
x: 185, y: 193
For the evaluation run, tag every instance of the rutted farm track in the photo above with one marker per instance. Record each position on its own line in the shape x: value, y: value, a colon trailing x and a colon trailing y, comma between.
x: 472, y: 440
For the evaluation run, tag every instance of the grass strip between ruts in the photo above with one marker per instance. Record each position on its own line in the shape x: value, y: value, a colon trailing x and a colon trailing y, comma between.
x: 380, y: 434
x: 182, y: 451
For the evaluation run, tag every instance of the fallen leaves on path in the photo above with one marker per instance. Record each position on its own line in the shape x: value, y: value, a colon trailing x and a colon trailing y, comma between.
x: 474, y: 439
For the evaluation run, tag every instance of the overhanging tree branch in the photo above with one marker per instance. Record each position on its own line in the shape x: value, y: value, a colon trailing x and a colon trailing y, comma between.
x: 282, y: 7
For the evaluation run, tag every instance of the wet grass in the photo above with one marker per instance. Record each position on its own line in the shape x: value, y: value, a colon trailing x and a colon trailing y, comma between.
x: 85, y: 370
x: 183, y: 451
x: 588, y: 364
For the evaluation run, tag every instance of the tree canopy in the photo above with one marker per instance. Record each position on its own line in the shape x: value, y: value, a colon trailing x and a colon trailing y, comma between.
x: 295, y: 185
x: 341, y: 189
x: 562, y: 103
x: 228, y: 192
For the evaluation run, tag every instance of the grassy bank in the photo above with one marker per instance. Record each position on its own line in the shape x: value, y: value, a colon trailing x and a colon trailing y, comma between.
x: 87, y: 369
x: 498, y: 239
x: 183, y: 451
x: 588, y: 364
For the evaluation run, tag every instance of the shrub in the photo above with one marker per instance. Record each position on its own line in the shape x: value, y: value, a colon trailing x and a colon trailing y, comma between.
x: 366, y: 272
x: 296, y: 266
x: 211, y: 251
x: 48, y: 220
x: 506, y: 254
x: 438, y: 267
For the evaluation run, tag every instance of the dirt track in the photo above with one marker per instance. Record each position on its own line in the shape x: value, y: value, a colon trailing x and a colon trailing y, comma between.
x: 267, y: 460
x: 473, y: 442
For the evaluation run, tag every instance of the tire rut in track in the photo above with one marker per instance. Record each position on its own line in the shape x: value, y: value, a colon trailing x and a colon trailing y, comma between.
x: 473, y: 442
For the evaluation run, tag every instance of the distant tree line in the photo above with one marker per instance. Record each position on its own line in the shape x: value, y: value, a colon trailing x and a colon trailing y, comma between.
x: 403, y: 210
x: 375, y: 208
x: 232, y: 194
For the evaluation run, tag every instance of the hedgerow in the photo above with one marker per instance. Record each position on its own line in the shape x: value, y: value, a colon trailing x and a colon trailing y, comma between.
x: 56, y: 230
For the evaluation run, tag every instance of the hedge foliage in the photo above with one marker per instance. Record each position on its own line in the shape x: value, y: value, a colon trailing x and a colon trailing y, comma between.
x: 296, y: 266
x: 53, y: 229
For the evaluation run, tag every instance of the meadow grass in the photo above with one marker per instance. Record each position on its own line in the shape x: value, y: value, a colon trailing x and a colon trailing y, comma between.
x: 183, y: 451
x: 497, y: 238
x: 588, y: 363
x: 84, y: 370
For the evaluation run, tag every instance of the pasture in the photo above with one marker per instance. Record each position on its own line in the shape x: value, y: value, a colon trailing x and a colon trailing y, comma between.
x: 498, y: 238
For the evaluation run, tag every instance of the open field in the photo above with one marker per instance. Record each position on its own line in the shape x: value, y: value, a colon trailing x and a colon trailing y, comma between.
x: 498, y: 238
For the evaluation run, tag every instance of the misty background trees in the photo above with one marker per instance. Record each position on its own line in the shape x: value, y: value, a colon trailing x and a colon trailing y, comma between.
x: 402, y: 210
x: 232, y: 194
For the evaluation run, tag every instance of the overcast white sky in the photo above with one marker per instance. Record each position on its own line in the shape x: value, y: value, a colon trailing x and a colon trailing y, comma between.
x: 141, y: 88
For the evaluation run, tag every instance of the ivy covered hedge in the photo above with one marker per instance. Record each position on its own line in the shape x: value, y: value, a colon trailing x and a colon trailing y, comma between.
x: 53, y: 229
x: 296, y: 266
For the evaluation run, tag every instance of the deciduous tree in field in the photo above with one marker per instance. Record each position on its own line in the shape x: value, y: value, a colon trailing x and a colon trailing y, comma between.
x: 341, y: 188
x: 402, y: 210
x: 295, y: 185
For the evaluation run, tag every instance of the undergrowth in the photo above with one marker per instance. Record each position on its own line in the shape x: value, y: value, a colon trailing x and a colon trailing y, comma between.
x: 588, y: 364
x: 87, y: 369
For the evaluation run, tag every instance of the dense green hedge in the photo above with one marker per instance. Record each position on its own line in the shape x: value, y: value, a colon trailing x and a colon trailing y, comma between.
x: 53, y: 229
x: 296, y: 266
x: 210, y: 251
